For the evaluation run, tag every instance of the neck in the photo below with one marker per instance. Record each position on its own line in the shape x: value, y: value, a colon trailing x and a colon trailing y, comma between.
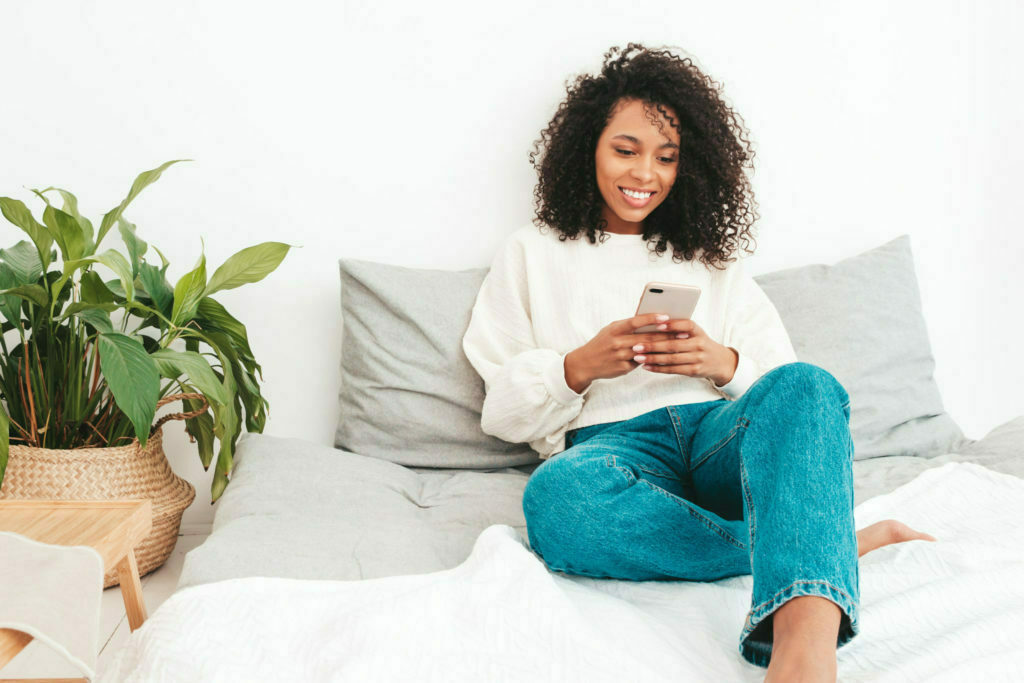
x: 619, y: 226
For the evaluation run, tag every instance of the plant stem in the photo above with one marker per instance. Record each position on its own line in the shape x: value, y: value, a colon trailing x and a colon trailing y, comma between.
x: 28, y: 387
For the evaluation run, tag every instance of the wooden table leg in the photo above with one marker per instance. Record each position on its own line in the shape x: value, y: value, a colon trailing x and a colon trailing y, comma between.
x: 11, y: 643
x: 131, y: 590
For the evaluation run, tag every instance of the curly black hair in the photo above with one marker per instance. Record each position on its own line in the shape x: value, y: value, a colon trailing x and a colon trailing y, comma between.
x: 711, y: 204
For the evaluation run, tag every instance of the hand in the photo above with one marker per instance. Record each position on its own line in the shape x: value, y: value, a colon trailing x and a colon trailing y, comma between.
x: 695, y: 355
x: 608, y: 354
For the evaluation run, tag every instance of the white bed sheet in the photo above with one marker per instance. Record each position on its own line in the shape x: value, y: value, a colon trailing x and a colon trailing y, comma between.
x: 949, y: 610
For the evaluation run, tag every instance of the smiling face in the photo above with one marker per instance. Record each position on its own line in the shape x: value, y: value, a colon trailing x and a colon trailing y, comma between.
x: 632, y: 154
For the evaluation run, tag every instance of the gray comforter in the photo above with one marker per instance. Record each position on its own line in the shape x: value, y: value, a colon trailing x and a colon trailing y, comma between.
x: 296, y: 509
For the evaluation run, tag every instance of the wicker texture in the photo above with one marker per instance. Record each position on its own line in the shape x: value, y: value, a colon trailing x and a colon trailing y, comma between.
x: 119, y: 472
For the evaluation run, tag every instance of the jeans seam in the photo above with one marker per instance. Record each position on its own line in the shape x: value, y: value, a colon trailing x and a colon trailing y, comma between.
x: 831, y: 585
x: 742, y: 422
x: 611, y: 461
x: 679, y: 438
x: 667, y: 475
x: 696, y: 515
x: 752, y: 521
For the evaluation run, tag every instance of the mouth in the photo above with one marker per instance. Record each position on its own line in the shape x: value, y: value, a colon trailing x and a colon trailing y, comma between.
x: 638, y: 200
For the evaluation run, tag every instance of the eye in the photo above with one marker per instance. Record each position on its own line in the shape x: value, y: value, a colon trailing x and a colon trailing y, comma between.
x: 667, y: 160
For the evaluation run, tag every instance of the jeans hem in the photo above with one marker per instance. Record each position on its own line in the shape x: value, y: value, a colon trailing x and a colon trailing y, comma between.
x: 759, y: 651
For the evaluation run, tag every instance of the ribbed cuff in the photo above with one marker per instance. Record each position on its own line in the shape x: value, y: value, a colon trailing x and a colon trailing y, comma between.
x: 743, y: 379
x: 554, y: 380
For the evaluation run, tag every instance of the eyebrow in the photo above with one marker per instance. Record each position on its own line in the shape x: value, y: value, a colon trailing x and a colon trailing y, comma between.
x: 633, y: 139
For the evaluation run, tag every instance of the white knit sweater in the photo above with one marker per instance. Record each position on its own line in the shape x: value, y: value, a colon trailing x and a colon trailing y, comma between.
x: 543, y: 298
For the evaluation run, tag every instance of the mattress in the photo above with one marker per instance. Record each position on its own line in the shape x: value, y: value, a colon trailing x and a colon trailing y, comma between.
x: 295, y: 509
x: 930, y: 611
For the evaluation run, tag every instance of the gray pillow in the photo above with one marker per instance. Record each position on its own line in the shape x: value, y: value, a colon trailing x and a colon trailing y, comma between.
x: 410, y: 395
x: 861, y: 320
x: 408, y: 392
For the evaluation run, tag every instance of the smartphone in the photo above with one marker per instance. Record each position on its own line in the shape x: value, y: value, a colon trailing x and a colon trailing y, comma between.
x: 675, y: 300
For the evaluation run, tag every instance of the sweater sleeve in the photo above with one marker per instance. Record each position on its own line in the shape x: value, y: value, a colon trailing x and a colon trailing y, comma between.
x: 754, y: 328
x: 526, y: 396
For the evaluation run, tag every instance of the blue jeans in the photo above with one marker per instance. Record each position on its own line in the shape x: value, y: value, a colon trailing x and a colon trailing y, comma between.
x: 761, y: 485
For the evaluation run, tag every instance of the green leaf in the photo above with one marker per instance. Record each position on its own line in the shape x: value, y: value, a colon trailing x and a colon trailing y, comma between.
x: 163, y: 260
x: 41, y: 196
x: 199, y: 427
x: 156, y: 286
x: 141, y: 309
x: 97, y: 315
x: 251, y: 264
x: 133, y: 379
x: 187, y: 293
x: 23, y: 258
x: 225, y: 456
x: 220, y: 474
x: 9, y: 305
x: 93, y: 289
x: 69, y: 268
x: 246, y: 388
x: 142, y: 181
x: 66, y: 231
x: 119, y: 264
x: 173, y: 364
x: 71, y: 207
x: 33, y: 293
x: 226, y: 420
x: 136, y: 247
x: 215, y: 317
x: 58, y: 296
x: 151, y: 345
x: 16, y: 212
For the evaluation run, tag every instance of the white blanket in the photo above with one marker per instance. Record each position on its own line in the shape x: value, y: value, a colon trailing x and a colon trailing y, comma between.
x: 946, y: 610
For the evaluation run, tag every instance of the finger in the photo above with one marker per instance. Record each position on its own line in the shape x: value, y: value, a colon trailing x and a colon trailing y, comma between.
x: 664, y: 346
x: 666, y: 358
x: 679, y: 369
x: 682, y: 325
x: 638, y: 321
x: 646, y: 337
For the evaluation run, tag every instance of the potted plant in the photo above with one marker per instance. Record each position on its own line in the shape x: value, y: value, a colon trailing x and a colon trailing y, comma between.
x: 81, y: 380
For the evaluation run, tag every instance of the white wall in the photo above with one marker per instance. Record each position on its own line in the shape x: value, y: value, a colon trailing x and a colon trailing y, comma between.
x: 399, y: 132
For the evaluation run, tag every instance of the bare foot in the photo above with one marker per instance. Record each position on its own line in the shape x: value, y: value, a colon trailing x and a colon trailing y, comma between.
x: 887, y: 532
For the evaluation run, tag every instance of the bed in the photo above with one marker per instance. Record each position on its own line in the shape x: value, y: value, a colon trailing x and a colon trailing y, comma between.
x: 401, y: 551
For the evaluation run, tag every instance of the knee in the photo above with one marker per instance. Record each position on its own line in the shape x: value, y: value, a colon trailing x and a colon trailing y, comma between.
x: 544, y: 489
x: 806, y: 382
x: 561, y: 496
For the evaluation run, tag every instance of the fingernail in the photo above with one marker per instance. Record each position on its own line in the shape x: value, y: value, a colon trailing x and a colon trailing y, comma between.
x: 682, y: 335
x: 662, y: 327
x: 662, y: 317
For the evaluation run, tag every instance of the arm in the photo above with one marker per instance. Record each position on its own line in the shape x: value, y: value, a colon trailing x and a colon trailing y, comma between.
x: 754, y: 332
x: 528, y: 397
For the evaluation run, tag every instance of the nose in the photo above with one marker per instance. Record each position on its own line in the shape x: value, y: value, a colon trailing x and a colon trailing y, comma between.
x: 643, y: 170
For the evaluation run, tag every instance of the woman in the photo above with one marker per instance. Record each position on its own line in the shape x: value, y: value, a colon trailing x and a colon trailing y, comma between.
x: 699, y: 451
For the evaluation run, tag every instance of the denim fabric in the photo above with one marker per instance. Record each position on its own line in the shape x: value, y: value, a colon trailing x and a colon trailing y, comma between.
x: 761, y: 485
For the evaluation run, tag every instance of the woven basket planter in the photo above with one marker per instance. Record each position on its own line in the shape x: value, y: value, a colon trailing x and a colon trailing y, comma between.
x: 115, y: 473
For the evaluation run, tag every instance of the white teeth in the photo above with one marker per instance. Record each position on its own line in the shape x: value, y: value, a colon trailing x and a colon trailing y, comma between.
x: 636, y: 195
